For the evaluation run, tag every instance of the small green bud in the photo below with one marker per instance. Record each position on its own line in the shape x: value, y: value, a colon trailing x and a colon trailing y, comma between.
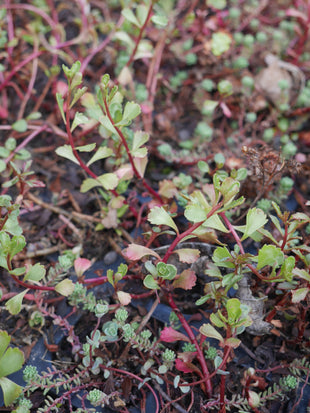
x: 101, y: 310
x: 240, y: 63
x: 248, y: 82
x: 261, y: 37
x: 225, y: 87
x: 168, y: 355
x: 121, y: 314
x: 289, y: 149
x: 234, y: 13
x: 207, y: 84
x: 286, y: 184
x: 211, y: 353
x: 268, y: 134
x: 96, y: 397
x: 30, y: 374
x: 189, y: 347
x: 238, y: 37
x: 251, y: 117
x: 288, y: 383
x: 191, y: 59
x: 248, y: 40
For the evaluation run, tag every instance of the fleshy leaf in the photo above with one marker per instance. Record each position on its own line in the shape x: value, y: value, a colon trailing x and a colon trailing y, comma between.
x: 5, y: 340
x: 65, y: 287
x: 10, y: 390
x: 158, y: 216
x: 255, y: 219
x: 150, y: 283
x: 79, y: 119
x: 139, y: 139
x: 101, y: 153
x: 299, y: 294
x: 14, y: 304
x: 136, y: 252
x: 215, y: 222
x: 209, y: 331
x: 124, y: 298
x: 186, y: 280
x: 170, y: 335
x: 187, y: 255
x: 269, y: 255
x: 140, y: 164
x: 81, y: 265
x: 66, y: 152
x: 60, y: 102
x: 186, y: 367
x: 86, y: 148
x: 36, y: 273
x: 20, y: 125
x: 131, y: 111
x: 195, y: 213
x: 108, y: 180
x: 11, y: 361
x: 129, y: 15
x: 232, y: 342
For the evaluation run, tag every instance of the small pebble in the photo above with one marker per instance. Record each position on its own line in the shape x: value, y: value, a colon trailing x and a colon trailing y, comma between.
x: 110, y: 257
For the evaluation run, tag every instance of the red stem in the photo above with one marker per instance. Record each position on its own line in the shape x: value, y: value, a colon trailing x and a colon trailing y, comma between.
x: 140, y: 35
x: 200, y: 356
x: 131, y: 160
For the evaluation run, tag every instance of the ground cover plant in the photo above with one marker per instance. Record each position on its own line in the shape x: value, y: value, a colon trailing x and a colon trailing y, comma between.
x: 154, y: 160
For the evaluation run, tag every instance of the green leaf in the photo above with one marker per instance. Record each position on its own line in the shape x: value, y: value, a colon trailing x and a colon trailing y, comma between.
x: 79, y: 118
x: 302, y: 274
x: 89, y: 183
x: 16, y: 245
x: 5, y: 340
x: 150, y: 283
x: 65, y: 287
x: 232, y: 342
x: 159, y: 216
x: 60, y: 102
x: 269, y: 255
x: 287, y: 268
x: 159, y: 20
x: 130, y: 16
x: 77, y: 95
x: 20, y: 125
x: 14, y: 304
x: 220, y: 43
x: 195, y: 213
x: 234, y: 311
x: 255, y: 219
x: 10, y: 390
x: 66, y: 152
x: 215, y: 222
x: 229, y: 189
x: 141, y: 13
x: 139, y: 139
x: 2, y: 166
x: 299, y: 295
x: 209, y: 331
x: 221, y: 257
x: 36, y: 273
x: 101, y: 153
x: 86, y: 148
x: 131, y: 111
x: 11, y: 361
x: 108, y: 181
x: 215, y: 319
